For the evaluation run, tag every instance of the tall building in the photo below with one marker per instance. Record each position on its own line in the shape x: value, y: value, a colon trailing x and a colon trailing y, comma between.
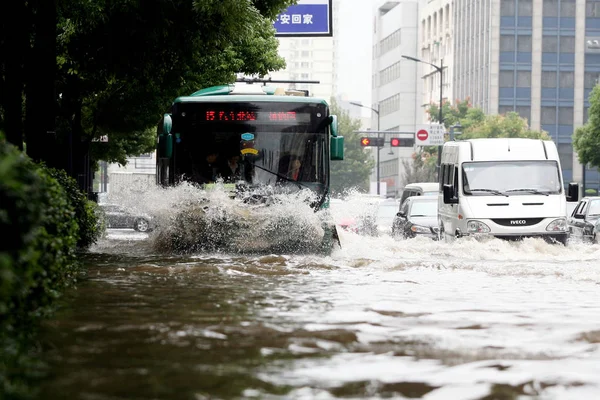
x: 396, y: 87
x: 435, y: 47
x: 535, y: 57
x: 308, y: 59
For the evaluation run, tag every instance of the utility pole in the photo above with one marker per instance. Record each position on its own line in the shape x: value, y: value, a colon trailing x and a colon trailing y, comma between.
x: 376, y: 111
x: 439, y: 69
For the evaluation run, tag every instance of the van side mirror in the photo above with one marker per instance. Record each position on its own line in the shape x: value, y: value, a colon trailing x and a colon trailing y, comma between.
x: 573, y: 192
x: 449, y: 195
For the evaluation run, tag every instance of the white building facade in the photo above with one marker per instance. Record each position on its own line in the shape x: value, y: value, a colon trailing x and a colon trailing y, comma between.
x: 396, y: 85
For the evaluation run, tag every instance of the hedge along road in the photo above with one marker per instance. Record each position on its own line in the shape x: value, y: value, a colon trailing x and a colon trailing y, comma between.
x: 381, y: 317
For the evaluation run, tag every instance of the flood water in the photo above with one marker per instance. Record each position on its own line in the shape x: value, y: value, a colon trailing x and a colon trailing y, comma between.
x: 378, y: 318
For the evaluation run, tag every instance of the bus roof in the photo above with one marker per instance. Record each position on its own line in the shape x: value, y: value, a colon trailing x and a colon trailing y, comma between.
x: 229, y: 93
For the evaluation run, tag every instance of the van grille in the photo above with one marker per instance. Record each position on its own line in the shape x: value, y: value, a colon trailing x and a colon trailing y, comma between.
x: 517, y: 221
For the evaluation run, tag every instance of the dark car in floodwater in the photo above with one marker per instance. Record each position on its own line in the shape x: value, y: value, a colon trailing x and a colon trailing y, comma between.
x: 117, y: 216
x: 417, y: 216
x: 583, y: 218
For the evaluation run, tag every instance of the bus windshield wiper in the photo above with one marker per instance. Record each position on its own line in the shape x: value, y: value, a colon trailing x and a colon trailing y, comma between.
x: 300, y: 185
x: 534, y: 191
x: 493, y: 191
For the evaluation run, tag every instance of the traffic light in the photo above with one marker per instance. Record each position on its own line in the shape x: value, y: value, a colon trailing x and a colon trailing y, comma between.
x: 372, y: 141
x: 402, y: 142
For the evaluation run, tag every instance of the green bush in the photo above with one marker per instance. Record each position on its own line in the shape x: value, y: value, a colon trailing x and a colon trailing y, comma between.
x: 86, y: 211
x: 37, y: 257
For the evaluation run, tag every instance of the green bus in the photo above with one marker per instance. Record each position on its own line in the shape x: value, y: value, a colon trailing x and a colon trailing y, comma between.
x: 278, y: 140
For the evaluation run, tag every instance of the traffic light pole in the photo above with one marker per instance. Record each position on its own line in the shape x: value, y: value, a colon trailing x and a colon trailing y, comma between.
x: 376, y: 111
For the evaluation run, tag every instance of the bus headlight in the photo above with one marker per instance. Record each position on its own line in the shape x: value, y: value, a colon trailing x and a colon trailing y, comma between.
x: 558, y: 225
x: 475, y: 226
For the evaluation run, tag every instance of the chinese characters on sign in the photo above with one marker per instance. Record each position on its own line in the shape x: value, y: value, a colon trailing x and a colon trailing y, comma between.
x: 305, y: 19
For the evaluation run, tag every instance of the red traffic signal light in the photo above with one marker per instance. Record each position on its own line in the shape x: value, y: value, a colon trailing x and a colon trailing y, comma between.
x: 374, y: 141
x: 402, y: 142
x: 365, y: 141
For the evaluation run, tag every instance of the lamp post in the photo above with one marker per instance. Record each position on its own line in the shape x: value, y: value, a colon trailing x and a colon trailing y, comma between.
x: 440, y: 69
x: 455, y: 130
x: 376, y: 111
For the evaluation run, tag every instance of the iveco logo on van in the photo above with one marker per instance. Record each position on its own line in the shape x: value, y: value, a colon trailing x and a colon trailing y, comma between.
x: 518, y: 222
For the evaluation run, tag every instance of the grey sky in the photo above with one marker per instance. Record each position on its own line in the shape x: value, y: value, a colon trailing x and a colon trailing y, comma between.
x: 355, y: 21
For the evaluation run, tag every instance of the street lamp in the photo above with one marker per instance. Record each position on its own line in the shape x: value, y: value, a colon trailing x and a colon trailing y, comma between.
x: 376, y: 111
x: 439, y: 69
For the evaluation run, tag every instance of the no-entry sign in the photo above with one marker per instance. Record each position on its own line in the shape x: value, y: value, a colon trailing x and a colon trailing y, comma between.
x: 429, y: 135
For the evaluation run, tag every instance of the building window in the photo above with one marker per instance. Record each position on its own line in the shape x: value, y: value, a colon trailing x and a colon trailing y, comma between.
x: 567, y: 8
x: 549, y: 79
x: 507, y: 79
x: 305, y: 53
x: 550, y: 8
x: 524, y: 43
x: 523, y: 78
x: 507, y: 43
x: 592, y: 9
x: 524, y: 112
x: 526, y: 8
x: 566, y: 79
x: 565, y: 115
x: 549, y: 44
x: 567, y: 44
x: 590, y: 79
x: 507, y: 8
x: 505, y: 109
x: 548, y: 115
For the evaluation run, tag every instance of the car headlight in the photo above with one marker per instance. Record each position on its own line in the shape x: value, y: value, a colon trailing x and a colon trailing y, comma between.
x: 420, y: 229
x: 558, y: 225
x: 475, y: 226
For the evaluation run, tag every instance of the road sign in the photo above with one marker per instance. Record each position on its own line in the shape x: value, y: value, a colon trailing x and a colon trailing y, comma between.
x: 307, y: 18
x: 429, y: 135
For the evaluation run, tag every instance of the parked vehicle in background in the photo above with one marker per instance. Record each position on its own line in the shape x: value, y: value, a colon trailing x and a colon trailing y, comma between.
x: 508, y: 188
x: 583, y: 220
x: 417, y: 216
x: 119, y: 217
x: 420, y: 189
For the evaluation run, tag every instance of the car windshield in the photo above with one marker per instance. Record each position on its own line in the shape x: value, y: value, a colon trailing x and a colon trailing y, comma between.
x: 511, y: 178
x: 423, y: 209
x: 594, y: 208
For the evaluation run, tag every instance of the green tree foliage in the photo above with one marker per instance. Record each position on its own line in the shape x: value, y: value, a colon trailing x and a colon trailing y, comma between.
x: 37, y: 258
x: 353, y: 172
x: 509, y: 125
x: 95, y: 68
x: 122, y: 63
x: 586, y: 140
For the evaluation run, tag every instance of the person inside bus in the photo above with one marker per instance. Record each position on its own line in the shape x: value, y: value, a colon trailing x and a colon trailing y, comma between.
x: 232, y: 171
x: 208, y: 170
x: 294, y: 171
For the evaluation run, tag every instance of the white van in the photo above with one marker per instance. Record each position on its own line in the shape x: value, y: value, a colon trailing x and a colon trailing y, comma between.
x: 505, y: 187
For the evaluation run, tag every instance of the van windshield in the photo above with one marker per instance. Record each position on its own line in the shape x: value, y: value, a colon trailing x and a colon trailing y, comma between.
x: 511, y: 178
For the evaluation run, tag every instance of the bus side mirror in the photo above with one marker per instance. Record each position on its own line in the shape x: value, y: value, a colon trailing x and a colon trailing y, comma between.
x: 165, y: 138
x: 336, y: 143
x: 573, y: 192
x: 449, y: 195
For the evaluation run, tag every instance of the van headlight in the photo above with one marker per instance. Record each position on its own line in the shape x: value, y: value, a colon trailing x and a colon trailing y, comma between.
x: 475, y: 226
x: 558, y: 225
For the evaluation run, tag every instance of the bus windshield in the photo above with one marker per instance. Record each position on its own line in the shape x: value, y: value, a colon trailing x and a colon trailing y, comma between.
x: 511, y: 178
x: 259, y: 143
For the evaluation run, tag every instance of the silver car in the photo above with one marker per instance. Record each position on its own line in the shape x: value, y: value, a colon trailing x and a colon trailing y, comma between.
x: 120, y: 217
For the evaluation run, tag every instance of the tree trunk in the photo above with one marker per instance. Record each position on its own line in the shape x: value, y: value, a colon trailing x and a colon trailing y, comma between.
x: 11, y: 90
x: 40, y: 109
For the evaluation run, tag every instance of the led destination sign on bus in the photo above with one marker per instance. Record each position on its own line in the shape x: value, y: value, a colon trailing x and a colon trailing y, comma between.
x: 256, y: 116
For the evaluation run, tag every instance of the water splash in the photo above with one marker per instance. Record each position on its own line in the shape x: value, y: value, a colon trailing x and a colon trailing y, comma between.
x: 192, y: 220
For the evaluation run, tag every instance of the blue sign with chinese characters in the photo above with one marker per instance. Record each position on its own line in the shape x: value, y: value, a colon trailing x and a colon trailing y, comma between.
x: 305, y: 20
